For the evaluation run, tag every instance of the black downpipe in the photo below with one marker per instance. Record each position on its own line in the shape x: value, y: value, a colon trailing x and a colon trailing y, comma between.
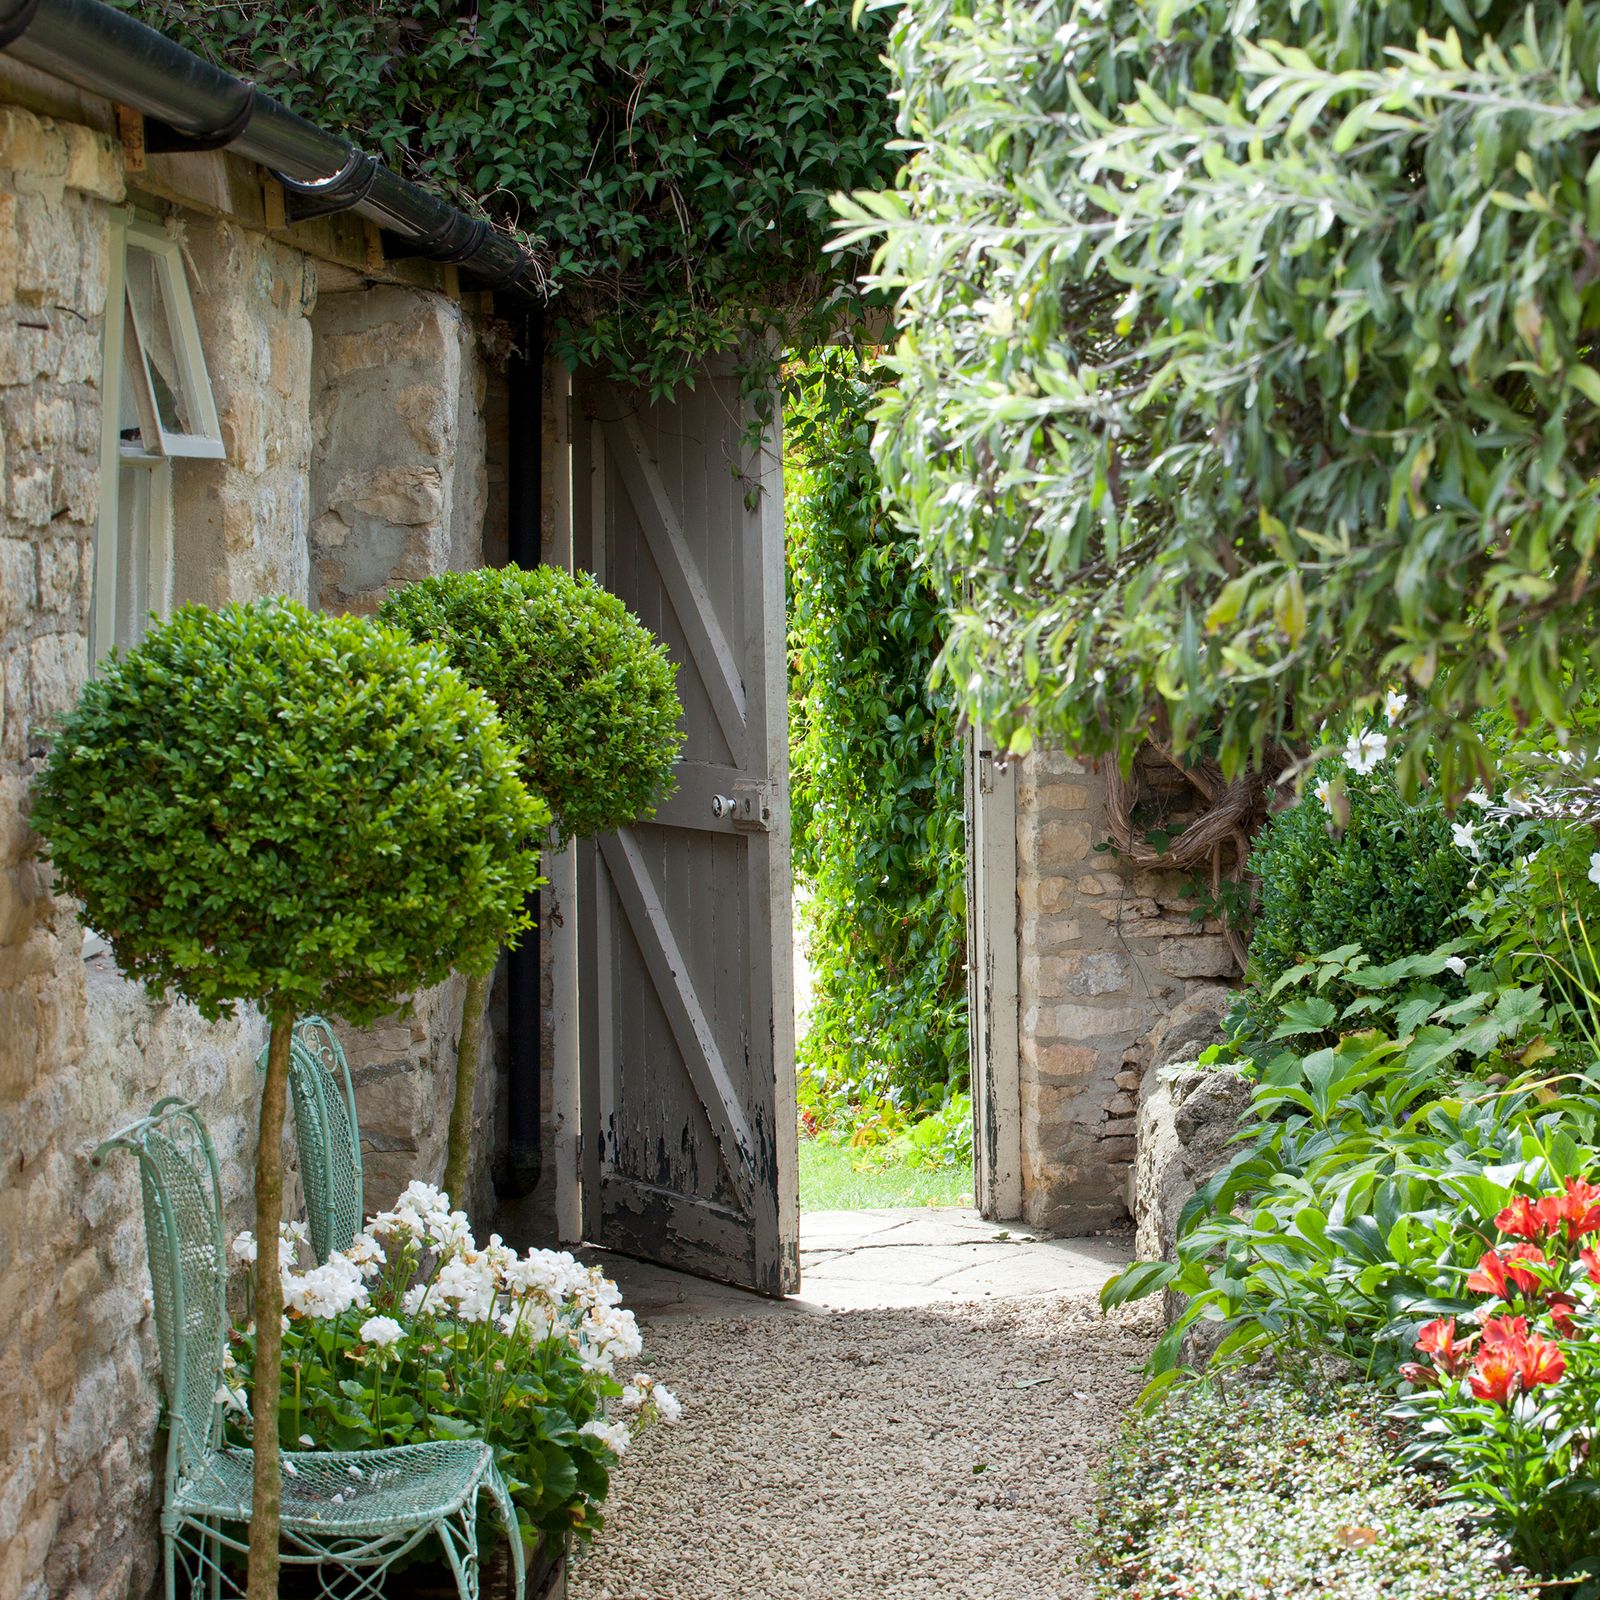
x: 194, y: 105
x: 524, y: 548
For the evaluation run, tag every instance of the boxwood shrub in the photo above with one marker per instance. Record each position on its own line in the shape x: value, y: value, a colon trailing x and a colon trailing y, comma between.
x: 1274, y: 1489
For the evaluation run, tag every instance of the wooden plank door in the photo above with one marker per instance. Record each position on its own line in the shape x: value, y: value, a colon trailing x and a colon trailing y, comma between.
x: 685, y: 976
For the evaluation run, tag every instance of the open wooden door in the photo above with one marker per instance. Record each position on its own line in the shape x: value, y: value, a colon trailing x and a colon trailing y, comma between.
x: 685, y: 977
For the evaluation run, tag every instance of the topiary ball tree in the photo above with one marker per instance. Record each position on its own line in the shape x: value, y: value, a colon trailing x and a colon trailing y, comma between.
x: 304, y: 812
x: 588, y: 694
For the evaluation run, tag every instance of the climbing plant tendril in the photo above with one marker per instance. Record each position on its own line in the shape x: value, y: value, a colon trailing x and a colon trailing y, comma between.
x: 876, y: 769
x: 669, y: 161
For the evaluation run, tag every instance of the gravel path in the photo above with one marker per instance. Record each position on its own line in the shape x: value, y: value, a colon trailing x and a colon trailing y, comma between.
x: 939, y: 1451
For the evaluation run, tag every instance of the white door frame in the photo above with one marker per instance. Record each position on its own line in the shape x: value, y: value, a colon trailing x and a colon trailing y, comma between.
x: 991, y: 807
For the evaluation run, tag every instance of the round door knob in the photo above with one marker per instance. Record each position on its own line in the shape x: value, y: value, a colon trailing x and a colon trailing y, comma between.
x: 722, y: 806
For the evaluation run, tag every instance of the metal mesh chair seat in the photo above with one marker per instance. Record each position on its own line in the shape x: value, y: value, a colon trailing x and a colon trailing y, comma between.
x: 347, y: 1492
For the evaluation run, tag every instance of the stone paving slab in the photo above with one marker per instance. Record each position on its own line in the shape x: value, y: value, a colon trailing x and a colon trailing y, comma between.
x: 856, y: 1260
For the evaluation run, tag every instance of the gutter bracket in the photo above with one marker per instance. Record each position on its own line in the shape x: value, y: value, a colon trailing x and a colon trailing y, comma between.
x: 161, y: 138
x: 325, y: 197
x: 15, y: 26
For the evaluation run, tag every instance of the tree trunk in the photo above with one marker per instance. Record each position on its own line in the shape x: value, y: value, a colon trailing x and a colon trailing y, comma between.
x: 467, y: 1051
x: 265, y: 1507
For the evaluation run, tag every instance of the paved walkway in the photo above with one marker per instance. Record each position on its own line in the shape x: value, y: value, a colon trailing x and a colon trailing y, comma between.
x: 920, y: 1423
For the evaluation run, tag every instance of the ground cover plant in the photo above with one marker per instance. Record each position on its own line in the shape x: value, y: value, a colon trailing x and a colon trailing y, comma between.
x: 299, y: 811
x: 838, y: 1177
x: 1245, y: 364
x: 1283, y: 1488
x: 416, y: 1332
x: 585, y: 692
x: 875, y: 761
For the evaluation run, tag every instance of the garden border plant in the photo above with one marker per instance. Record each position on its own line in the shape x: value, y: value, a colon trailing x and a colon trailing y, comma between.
x: 299, y: 811
x: 585, y: 691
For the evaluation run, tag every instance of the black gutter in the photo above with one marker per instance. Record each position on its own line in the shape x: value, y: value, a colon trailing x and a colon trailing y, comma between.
x: 196, y: 106
x: 524, y: 1157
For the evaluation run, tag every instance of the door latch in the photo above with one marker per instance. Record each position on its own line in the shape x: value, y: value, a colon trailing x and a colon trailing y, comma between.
x: 748, y: 808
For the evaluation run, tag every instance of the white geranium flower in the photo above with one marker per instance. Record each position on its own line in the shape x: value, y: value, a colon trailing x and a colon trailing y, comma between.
x: 1363, y: 751
x: 244, y: 1248
x: 382, y: 1332
x: 668, y: 1406
x: 613, y: 1435
x: 1393, y: 704
x: 326, y: 1291
x: 1463, y: 837
x: 1594, y: 868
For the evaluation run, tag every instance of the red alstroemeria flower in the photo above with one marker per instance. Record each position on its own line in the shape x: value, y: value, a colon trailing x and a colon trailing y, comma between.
x: 1591, y: 1262
x: 1424, y: 1377
x: 1438, y: 1339
x: 1504, y: 1330
x: 1530, y: 1219
x: 1512, y: 1360
x: 1579, y: 1209
x: 1562, y: 1307
x: 1496, y: 1273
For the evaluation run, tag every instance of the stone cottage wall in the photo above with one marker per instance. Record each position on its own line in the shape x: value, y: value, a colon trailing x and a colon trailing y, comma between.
x: 1105, y: 952
x: 400, y: 490
x: 81, y: 1050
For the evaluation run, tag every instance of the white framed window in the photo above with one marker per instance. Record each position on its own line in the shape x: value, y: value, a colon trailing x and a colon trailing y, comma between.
x: 158, y: 407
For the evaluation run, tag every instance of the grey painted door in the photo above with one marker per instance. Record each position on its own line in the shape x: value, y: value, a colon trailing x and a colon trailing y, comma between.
x: 685, y: 978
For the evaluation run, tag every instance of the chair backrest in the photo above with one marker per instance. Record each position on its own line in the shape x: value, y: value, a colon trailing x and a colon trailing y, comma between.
x: 327, y: 1134
x: 188, y: 1270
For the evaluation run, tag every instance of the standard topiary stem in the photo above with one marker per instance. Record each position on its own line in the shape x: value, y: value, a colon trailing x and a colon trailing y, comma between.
x: 264, y: 1510
x: 455, y: 1165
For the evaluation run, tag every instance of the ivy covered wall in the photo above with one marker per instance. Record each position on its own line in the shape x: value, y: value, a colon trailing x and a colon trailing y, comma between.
x: 669, y: 161
x: 876, y: 771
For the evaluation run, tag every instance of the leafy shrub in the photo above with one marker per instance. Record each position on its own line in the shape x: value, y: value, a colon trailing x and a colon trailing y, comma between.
x: 270, y: 804
x: 669, y: 163
x: 1388, y: 880
x: 1245, y: 362
x: 584, y: 689
x: 416, y: 1333
x: 1266, y: 1489
x: 876, y: 774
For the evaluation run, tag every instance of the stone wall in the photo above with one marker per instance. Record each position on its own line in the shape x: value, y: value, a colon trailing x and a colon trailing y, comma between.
x: 81, y: 1050
x: 400, y: 490
x: 1105, y: 952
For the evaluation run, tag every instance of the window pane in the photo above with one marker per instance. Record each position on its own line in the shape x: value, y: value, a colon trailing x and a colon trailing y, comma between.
x: 149, y: 304
x: 134, y: 599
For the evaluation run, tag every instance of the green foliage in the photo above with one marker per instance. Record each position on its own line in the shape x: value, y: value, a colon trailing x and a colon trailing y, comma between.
x: 669, y: 160
x: 1247, y: 362
x: 582, y: 686
x: 1281, y: 1487
x: 269, y: 804
x: 876, y: 771
x: 1389, y: 881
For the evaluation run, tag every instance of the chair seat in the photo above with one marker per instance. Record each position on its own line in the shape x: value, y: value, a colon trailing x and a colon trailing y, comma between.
x: 354, y: 1492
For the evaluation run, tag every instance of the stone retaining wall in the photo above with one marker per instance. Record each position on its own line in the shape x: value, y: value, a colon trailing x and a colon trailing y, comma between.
x: 1106, y: 951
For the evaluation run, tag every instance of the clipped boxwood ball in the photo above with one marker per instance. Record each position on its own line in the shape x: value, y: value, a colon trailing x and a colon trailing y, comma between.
x: 270, y: 804
x: 584, y: 687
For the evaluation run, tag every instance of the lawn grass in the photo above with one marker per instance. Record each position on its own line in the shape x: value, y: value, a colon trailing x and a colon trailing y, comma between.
x: 828, y: 1182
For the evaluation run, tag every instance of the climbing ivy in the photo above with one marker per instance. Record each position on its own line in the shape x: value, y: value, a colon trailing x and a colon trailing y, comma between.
x: 668, y: 160
x: 876, y: 772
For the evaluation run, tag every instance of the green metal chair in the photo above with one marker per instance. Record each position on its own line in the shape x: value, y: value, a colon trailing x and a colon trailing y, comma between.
x: 348, y: 1515
x: 326, y: 1133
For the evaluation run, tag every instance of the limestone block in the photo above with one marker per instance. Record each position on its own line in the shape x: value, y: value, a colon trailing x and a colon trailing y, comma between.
x: 1063, y: 1063
x: 1043, y: 897
x: 1206, y: 956
x: 1052, y: 846
x: 32, y: 499
x: 1091, y: 972
x: 1080, y: 1023
x: 17, y: 592
x: 94, y: 162
x: 1189, y: 1027
x: 34, y: 149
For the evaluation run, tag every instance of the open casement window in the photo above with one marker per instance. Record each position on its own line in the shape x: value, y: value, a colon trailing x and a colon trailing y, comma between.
x: 158, y: 408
